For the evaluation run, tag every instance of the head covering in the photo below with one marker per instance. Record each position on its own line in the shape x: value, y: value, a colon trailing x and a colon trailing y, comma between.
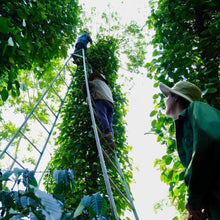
x: 99, y: 75
x: 86, y: 31
x: 184, y: 89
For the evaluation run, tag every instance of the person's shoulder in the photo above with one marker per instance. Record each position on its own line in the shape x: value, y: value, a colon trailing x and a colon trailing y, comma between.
x: 200, y: 105
x: 202, y: 108
x: 197, y: 104
x: 97, y: 81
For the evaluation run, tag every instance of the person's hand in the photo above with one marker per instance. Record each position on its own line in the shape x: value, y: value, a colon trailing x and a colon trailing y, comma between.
x: 194, y: 214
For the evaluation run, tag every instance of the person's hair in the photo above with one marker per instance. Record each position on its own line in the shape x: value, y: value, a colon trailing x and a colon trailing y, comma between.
x: 182, y: 102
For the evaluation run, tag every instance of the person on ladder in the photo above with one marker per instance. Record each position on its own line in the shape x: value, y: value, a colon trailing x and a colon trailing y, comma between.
x: 104, y: 105
x: 81, y: 43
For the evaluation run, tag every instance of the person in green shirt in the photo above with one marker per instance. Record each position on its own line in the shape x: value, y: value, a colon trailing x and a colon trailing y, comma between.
x: 198, y: 145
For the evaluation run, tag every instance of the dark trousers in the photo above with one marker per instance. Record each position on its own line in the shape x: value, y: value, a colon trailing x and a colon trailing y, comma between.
x: 79, y: 46
x: 105, y: 110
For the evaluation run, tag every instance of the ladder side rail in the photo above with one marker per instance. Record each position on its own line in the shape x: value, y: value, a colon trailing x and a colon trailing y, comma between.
x: 106, y: 178
x: 50, y: 133
x: 126, y: 188
x: 18, y: 131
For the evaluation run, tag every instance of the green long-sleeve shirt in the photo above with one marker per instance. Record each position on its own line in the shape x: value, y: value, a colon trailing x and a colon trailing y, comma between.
x: 198, y: 145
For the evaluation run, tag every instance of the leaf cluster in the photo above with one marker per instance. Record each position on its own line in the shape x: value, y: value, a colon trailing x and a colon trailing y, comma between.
x: 92, y: 206
x: 186, y: 47
x: 27, y: 202
x: 33, y: 32
x: 36, y: 204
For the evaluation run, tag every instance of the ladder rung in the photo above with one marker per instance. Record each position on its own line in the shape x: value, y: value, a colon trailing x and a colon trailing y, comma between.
x: 49, y: 107
x: 110, y: 161
x: 69, y: 68
x: 77, y: 55
x: 120, y: 192
x: 64, y: 80
x: 56, y: 93
x: 40, y: 123
x: 14, y: 160
x: 30, y: 141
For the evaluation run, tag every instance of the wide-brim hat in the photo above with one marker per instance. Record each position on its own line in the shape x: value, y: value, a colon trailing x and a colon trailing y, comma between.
x: 101, y: 76
x: 184, y: 89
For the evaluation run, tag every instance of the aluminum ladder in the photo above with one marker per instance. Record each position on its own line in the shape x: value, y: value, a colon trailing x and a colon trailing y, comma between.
x: 25, y: 137
x: 97, y: 132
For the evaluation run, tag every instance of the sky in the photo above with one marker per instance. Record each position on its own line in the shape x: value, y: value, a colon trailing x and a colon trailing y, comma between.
x: 147, y: 188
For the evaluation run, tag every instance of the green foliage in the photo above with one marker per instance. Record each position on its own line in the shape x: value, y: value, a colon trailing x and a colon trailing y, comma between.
x: 134, y: 44
x: 131, y: 39
x: 96, y: 206
x: 33, y: 33
x: 101, y: 57
x: 77, y: 148
x: 32, y: 89
x: 186, y: 46
x: 37, y: 204
x: 16, y: 204
x: 64, y: 181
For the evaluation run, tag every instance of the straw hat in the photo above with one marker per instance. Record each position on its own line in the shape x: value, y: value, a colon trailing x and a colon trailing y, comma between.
x: 184, y: 89
x: 101, y: 76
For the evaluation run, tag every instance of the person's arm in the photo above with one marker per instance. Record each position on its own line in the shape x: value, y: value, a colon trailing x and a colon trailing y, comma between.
x: 90, y: 39
x: 83, y: 87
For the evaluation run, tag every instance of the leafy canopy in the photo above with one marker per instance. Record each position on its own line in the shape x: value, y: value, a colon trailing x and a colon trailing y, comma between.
x: 33, y: 33
x: 186, y: 46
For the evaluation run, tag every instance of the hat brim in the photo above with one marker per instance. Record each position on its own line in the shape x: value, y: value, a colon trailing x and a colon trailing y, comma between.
x: 166, y: 90
x: 92, y: 77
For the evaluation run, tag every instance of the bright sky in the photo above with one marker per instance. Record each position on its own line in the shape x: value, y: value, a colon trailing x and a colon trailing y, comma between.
x: 147, y: 189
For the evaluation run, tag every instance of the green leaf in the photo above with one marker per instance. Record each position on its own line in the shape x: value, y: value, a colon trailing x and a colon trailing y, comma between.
x: 52, y: 209
x: 154, y: 112
x: 212, y: 90
x: 168, y: 160
x: 63, y: 179
x: 29, y: 179
x: 86, y: 200
x: 10, y: 42
x: 96, y: 203
x: 79, y: 210
x: 18, y: 172
x: 6, y: 175
x: 182, y: 175
x: 3, y: 25
x: 4, y: 94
